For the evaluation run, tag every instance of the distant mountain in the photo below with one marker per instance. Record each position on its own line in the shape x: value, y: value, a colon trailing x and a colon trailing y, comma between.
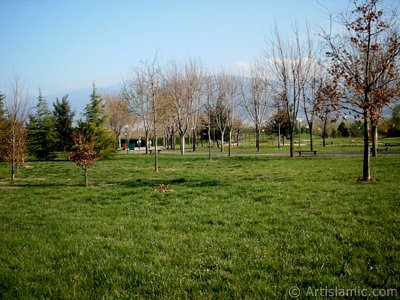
x: 80, y: 97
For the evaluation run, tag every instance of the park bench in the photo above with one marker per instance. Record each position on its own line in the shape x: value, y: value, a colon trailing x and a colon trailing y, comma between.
x: 314, y: 152
x: 387, y: 145
x: 151, y: 151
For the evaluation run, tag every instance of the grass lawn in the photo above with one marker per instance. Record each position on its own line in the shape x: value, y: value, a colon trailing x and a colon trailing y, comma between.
x: 242, y: 227
x: 270, y: 146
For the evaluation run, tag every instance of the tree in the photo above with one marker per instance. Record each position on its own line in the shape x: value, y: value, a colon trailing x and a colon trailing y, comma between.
x: 327, y: 96
x: 226, y: 92
x: 84, y: 154
x: 94, y: 126
x: 14, y: 137
x: 395, y: 122
x: 152, y: 73
x: 279, y: 125
x: 184, y: 86
x: 117, y: 110
x: 365, y: 61
x: 210, y: 103
x: 143, y: 93
x: 290, y: 66
x: 2, y: 106
x: 136, y: 93
x: 310, y: 99
x: 63, y: 118
x: 343, y: 130
x: 42, y: 135
x: 92, y: 141
x: 2, y: 120
x: 254, y: 95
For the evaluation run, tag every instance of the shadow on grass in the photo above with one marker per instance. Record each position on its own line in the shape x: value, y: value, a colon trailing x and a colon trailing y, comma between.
x: 176, y: 181
x: 131, y: 183
x: 42, y: 184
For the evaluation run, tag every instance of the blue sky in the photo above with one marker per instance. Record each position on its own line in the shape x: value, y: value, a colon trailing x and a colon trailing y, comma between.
x: 65, y: 45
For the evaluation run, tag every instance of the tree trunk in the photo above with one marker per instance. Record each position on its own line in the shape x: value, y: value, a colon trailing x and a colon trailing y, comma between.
x: 194, y: 142
x: 291, y: 143
x: 86, y: 176
x: 13, y: 171
x: 237, y: 137
x: 310, y: 126
x: 209, y: 142
x: 258, y: 137
x: 222, y: 140
x: 279, y: 135
x: 367, y: 160
x: 172, y: 142
x: 324, y: 134
x: 147, y: 142
x: 182, y: 143
x: 374, y: 129
x: 155, y: 152
x: 230, y: 143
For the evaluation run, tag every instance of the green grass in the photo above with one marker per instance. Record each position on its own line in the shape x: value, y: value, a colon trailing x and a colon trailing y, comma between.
x: 270, y: 146
x: 240, y: 227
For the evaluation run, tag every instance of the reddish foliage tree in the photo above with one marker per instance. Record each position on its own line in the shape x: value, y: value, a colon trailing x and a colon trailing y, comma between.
x: 84, y: 154
x: 365, y: 62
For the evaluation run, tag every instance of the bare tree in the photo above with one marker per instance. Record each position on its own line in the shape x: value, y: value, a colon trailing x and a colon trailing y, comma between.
x: 254, y: 94
x: 290, y: 64
x: 365, y: 60
x: 184, y: 86
x: 310, y: 99
x: 136, y: 93
x: 14, y: 137
x: 226, y: 90
x: 327, y: 97
x: 117, y: 110
x: 209, y: 91
x: 143, y: 95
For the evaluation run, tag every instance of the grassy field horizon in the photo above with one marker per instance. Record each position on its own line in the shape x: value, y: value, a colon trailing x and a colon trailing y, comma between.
x: 242, y: 227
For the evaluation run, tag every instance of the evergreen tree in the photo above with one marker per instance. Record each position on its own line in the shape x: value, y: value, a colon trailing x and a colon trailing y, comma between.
x: 92, y: 141
x: 93, y: 127
x: 343, y: 130
x: 42, y: 134
x: 64, y: 117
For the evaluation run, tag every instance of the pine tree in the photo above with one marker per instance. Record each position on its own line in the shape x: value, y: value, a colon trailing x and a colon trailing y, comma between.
x: 92, y: 140
x: 94, y: 125
x: 64, y: 117
x: 42, y: 133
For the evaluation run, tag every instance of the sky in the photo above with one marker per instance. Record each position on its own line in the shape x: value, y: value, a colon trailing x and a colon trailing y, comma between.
x: 63, y: 46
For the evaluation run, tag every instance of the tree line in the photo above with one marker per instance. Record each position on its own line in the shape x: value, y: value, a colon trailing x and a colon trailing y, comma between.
x: 45, y: 132
x: 358, y: 75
